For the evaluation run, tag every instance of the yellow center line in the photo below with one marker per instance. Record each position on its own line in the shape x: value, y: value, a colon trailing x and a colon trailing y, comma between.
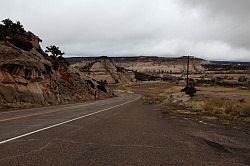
x: 26, y: 116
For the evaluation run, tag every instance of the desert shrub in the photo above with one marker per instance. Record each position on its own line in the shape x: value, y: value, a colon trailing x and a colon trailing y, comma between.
x: 54, y: 51
x: 14, y: 28
x: 10, y: 29
x: 3, y: 32
x: 12, y: 32
x: 189, y: 90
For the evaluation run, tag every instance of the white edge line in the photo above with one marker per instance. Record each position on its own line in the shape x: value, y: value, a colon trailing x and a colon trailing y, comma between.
x: 58, y: 124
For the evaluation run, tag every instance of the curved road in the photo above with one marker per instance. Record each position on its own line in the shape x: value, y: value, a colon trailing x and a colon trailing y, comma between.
x: 117, y: 131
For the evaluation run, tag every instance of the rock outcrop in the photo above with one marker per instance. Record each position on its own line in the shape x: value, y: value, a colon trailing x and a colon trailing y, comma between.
x: 27, y: 78
x: 161, y: 65
x: 103, y: 69
x: 150, y: 65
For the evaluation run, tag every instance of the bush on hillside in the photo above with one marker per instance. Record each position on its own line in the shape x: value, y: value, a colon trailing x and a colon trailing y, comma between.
x: 56, y: 57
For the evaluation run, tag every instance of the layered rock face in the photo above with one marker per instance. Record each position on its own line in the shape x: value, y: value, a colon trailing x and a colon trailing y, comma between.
x: 151, y: 65
x: 28, y: 78
x: 103, y: 69
x: 161, y: 64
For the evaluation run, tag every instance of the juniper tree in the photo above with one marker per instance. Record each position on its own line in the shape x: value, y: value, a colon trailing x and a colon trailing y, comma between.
x: 56, y: 56
x: 54, y: 51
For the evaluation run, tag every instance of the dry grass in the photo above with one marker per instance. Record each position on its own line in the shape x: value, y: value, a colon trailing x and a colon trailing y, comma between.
x: 228, y: 109
x: 212, y: 104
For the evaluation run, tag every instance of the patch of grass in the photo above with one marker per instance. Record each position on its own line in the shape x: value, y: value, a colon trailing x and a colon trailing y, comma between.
x: 224, y: 90
x: 229, y: 109
x: 215, y: 105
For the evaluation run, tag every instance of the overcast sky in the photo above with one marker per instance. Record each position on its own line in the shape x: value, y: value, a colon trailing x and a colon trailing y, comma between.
x: 210, y: 29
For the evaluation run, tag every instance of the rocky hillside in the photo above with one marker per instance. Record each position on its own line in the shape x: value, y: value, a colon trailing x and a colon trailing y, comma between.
x: 103, y: 69
x: 161, y: 64
x: 28, y: 78
x: 153, y: 65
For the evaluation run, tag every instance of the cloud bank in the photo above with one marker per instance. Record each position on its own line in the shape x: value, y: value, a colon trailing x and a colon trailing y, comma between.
x: 214, y: 30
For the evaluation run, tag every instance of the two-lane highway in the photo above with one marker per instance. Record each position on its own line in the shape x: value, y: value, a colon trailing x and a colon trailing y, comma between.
x: 117, y: 131
x: 18, y: 124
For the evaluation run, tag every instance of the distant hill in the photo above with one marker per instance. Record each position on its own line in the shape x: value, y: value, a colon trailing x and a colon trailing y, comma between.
x: 152, y: 64
x: 230, y: 62
x: 227, y: 66
x: 103, y: 69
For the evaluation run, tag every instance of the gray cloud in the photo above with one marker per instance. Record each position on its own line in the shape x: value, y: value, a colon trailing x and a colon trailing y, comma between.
x: 232, y: 19
x: 207, y: 29
x: 238, y: 9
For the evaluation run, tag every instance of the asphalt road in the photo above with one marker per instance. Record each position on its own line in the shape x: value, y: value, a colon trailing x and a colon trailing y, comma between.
x: 117, y: 131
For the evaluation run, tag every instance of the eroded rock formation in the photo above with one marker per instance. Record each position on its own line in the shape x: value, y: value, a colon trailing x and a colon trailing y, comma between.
x: 27, y: 78
x: 103, y: 69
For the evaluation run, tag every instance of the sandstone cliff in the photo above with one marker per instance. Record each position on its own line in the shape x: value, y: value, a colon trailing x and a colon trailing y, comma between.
x: 103, y: 69
x: 27, y: 78
x: 161, y: 65
x: 152, y: 65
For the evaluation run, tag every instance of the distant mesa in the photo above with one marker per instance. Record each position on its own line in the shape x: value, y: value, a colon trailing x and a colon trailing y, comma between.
x: 152, y: 65
x: 103, y: 68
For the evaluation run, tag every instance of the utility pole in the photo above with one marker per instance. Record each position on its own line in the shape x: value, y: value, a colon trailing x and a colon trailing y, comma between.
x: 188, y: 71
x: 189, y: 90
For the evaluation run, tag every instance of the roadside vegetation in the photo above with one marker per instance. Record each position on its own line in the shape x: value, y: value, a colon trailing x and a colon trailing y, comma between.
x: 228, y: 109
x: 229, y: 106
x: 56, y: 57
x: 14, y: 33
